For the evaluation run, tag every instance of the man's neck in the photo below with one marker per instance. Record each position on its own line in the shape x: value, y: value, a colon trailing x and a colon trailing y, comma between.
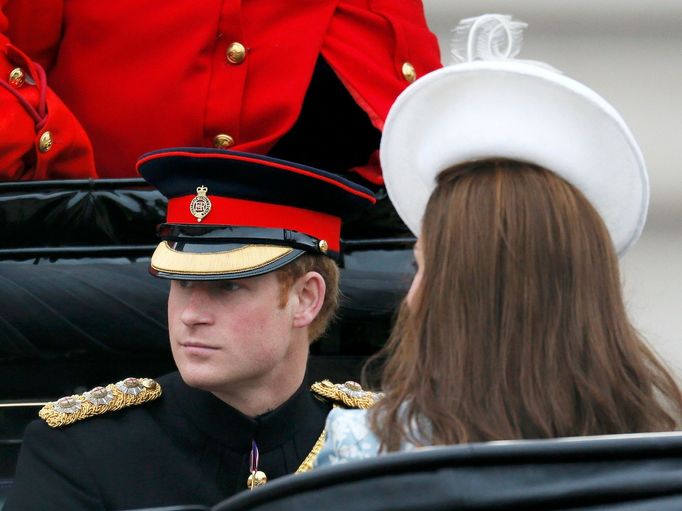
x: 261, y: 396
x: 260, y: 400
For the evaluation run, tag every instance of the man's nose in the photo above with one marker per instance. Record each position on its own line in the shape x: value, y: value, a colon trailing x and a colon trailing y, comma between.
x: 197, y: 310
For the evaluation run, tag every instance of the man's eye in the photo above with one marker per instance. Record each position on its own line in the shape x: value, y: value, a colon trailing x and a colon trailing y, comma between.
x: 229, y: 286
x: 185, y: 283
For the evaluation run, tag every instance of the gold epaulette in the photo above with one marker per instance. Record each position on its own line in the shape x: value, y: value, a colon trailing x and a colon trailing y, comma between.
x: 100, y: 400
x: 349, y: 394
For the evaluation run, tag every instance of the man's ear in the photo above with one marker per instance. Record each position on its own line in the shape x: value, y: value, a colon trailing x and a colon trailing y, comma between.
x: 310, y: 290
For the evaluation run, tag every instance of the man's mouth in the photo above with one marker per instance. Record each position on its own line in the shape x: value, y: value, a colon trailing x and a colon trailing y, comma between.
x: 198, y: 346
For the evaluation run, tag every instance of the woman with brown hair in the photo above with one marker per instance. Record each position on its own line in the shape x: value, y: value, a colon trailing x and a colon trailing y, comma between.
x: 514, y: 327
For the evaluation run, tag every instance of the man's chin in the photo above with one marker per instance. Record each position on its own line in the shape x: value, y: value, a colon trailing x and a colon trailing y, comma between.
x: 197, y: 380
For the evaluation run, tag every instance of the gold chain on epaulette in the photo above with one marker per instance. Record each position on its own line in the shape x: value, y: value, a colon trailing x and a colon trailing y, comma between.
x: 128, y: 392
x: 349, y: 394
x: 307, y: 464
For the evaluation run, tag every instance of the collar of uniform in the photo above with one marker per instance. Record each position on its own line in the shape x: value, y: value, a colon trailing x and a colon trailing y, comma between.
x: 228, y: 426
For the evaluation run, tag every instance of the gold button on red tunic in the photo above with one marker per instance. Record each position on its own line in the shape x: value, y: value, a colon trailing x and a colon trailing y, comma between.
x: 409, y: 72
x: 45, y: 142
x: 223, y: 141
x: 17, y: 77
x: 236, y: 53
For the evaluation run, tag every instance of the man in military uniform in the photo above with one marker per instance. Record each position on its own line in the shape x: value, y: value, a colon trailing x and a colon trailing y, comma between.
x: 248, y: 248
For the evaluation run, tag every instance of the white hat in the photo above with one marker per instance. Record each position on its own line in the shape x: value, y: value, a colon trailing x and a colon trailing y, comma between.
x: 513, y: 109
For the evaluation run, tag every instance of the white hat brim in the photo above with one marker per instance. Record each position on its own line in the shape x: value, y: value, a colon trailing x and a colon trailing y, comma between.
x: 517, y: 110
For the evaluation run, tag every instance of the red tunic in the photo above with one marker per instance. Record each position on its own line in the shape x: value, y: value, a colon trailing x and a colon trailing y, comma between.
x: 145, y: 75
x: 39, y: 137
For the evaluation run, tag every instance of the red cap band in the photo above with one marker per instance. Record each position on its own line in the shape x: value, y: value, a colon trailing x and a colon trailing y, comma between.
x: 245, y: 213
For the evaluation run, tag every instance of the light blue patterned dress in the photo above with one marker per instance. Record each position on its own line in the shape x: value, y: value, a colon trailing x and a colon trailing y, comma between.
x: 349, y: 438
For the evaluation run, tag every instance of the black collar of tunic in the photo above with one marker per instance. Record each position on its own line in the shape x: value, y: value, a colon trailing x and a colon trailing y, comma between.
x: 228, y: 426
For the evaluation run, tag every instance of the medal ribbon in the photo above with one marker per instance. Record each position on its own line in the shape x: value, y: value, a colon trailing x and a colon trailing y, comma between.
x: 254, y: 463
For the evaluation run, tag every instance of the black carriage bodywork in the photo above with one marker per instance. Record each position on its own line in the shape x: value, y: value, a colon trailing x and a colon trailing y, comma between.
x: 613, y: 473
x: 617, y: 473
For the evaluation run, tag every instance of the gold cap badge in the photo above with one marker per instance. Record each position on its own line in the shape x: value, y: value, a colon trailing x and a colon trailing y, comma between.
x: 200, y: 205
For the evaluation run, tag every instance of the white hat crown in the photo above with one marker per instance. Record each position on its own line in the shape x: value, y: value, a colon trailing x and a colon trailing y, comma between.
x: 492, y: 105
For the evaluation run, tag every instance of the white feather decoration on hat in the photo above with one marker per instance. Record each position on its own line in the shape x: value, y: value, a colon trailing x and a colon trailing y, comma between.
x: 487, y: 37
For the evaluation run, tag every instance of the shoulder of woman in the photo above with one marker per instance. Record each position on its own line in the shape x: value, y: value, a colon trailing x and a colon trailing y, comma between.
x: 348, y: 437
x: 341, y: 419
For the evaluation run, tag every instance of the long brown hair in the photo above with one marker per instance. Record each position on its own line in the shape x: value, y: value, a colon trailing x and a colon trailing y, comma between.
x: 519, y: 328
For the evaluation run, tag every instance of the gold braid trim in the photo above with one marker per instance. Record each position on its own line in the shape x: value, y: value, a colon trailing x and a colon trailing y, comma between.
x: 348, y: 395
x: 100, y: 400
x: 307, y: 464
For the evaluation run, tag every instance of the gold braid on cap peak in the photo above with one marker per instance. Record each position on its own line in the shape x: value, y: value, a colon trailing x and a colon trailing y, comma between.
x: 348, y: 395
x: 100, y: 400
